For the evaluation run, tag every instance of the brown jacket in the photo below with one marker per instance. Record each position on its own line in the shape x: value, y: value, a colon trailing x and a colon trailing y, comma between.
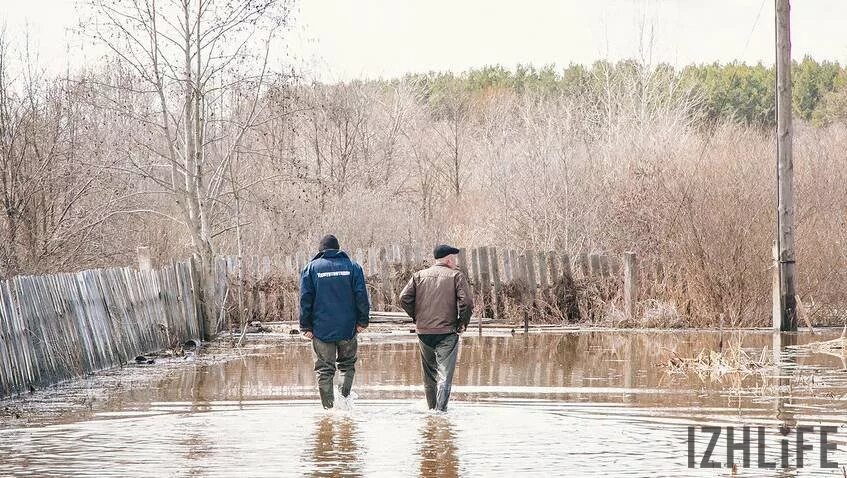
x: 438, y: 300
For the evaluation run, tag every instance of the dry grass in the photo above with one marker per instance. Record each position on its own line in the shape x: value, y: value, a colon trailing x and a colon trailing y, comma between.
x: 633, y: 168
x: 712, y: 363
x: 835, y: 347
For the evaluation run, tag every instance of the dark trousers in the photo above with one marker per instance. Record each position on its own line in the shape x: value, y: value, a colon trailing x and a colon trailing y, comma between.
x: 438, y: 361
x: 327, y: 355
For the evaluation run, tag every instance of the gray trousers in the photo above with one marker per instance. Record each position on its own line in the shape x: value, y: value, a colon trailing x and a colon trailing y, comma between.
x: 327, y: 355
x: 438, y: 361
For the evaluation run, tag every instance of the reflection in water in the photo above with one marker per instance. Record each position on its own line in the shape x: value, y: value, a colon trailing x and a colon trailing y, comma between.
x: 438, y: 447
x: 195, y: 445
x: 333, y: 450
x: 785, y: 363
x: 622, y: 368
x: 600, y: 400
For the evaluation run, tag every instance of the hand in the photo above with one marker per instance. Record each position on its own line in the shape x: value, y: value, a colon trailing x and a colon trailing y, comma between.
x: 461, y: 329
x: 308, y: 334
x: 360, y: 328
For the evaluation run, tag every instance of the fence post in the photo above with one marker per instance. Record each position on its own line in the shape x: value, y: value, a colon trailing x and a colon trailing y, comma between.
x: 520, y: 274
x: 485, y: 282
x: 495, y: 275
x: 583, y: 262
x: 630, y: 290
x: 475, y: 267
x: 594, y: 264
x: 371, y: 271
x: 542, y: 273
x: 372, y: 261
x: 605, y: 269
x: 553, y: 267
x: 530, y: 279
x: 572, y: 311
x: 255, y: 276
x: 206, y: 323
x: 385, y: 272
x: 507, y: 265
x: 463, y: 263
x: 518, y: 266
x: 566, y: 266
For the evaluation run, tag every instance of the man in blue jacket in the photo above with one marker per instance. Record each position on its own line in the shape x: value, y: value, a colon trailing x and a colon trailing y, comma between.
x: 334, y: 308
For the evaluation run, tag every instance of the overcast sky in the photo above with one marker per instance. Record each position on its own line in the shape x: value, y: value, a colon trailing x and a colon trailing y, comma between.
x: 343, y: 39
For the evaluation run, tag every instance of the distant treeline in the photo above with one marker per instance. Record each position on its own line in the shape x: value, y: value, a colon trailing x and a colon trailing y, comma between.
x: 734, y: 91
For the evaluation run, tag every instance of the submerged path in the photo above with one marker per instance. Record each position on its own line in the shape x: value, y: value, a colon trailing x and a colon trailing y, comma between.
x: 537, y: 404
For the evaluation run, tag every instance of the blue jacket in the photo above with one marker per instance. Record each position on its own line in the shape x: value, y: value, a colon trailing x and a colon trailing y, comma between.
x: 333, y: 297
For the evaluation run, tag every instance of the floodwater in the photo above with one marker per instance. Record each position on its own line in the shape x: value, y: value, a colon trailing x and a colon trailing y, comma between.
x: 557, y: 404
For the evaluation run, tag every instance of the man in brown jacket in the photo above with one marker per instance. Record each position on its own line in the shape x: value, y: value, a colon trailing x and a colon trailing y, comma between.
x: 438, y: 300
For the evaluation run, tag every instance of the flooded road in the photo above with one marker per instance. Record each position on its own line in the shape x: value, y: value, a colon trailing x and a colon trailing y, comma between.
x: 567, y: 404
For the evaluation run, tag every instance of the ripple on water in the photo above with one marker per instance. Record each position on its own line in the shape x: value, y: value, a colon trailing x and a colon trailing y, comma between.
x: 377, y: 438
x: 566, y: 405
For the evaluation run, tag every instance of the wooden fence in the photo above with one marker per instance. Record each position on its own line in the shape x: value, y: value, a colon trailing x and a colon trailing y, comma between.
x: 60, y: 326
x: 507, y: 284
x: 56, y: 327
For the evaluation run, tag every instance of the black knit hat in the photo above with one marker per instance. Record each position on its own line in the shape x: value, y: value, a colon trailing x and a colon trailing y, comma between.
x: 444, y: 250
x: 328, y: 242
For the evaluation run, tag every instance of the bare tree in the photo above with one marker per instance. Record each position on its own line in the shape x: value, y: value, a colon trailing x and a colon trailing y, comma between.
x: 422, y: 142
x: 452, y: 109
x: 51, y: 202
x: 200, y: 68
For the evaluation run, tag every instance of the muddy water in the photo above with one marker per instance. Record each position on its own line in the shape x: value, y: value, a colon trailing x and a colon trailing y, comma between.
x: 575, y: 404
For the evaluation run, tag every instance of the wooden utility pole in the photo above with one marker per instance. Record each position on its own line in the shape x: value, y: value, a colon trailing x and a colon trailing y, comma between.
x: 787, y: 319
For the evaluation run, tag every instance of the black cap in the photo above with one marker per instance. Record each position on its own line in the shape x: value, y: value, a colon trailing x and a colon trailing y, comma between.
x: 444, y: 250
x: 328, y: 242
